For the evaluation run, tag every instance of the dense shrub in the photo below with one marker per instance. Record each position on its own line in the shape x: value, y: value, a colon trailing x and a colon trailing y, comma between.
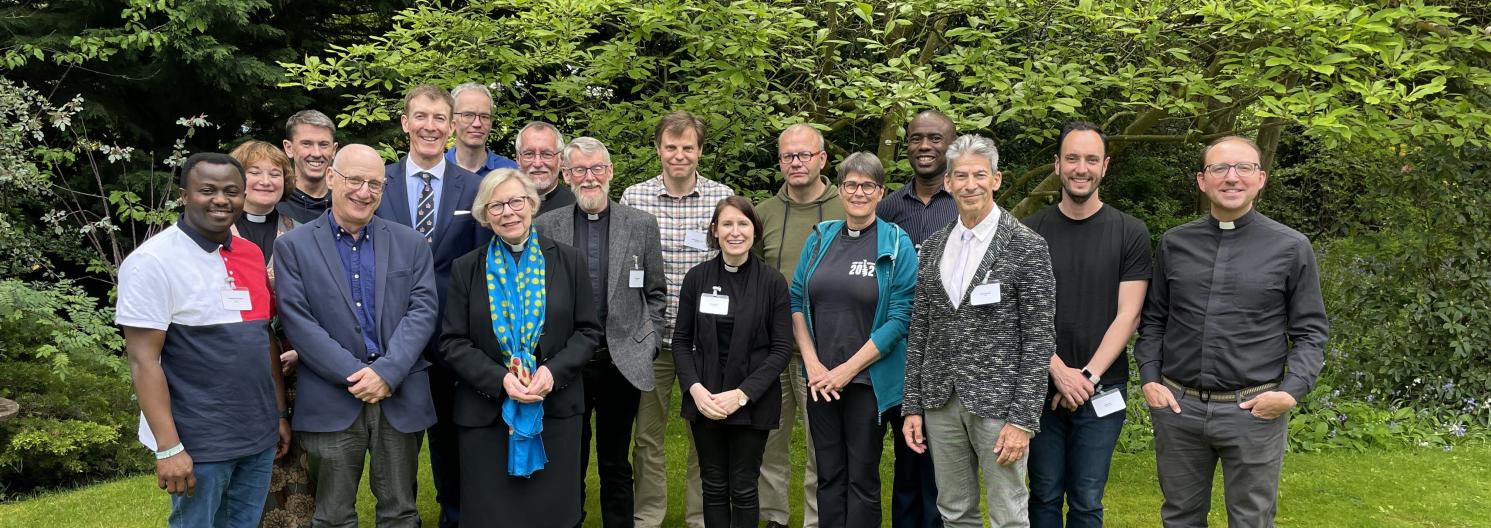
x: 60, y: 360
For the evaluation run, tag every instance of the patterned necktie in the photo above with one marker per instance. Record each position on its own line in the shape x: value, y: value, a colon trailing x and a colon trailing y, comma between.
x: 424, y: 213
x: 955, y: 288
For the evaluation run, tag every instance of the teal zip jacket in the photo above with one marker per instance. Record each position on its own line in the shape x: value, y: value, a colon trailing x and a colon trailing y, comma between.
x: 895, y: 274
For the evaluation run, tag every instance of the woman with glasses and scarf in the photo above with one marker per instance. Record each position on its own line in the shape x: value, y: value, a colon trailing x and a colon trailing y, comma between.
x: 517, y: 338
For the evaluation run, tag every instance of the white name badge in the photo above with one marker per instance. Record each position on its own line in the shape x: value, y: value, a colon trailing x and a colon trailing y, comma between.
x: 696, y: 240
x: 634, y: 279
x: 714, y: 304
x: 1108, y: 402
x: 237, y: 300
x: 984, y: 294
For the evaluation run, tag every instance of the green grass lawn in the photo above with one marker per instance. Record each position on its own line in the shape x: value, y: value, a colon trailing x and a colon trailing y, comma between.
x: 1410, y: 487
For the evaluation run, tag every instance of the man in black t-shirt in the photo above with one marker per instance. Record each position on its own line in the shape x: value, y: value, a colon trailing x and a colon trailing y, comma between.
x: 1101, y: 259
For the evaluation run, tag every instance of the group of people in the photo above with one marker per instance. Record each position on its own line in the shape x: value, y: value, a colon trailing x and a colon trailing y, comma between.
x: 316, y: 311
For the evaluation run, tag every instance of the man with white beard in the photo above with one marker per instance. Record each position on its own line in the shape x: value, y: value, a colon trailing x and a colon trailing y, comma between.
x: 624, y: 256
x: 538, y: 147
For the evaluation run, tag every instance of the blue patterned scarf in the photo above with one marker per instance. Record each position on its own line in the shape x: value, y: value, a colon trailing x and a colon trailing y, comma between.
x: 515, y: 293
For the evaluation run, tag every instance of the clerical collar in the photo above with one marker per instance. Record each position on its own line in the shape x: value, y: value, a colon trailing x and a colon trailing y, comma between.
x: 255, y: 218
x: 731, y: 269
x: 515, y: 248
x: 593, y: 217
x: 856, y: 233
x: 1241, y: 221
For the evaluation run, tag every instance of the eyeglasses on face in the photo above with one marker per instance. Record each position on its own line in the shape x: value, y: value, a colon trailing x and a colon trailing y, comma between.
x: 1244, y: 169
x: 517, y: 204
x: 467, y: 117
x: 859, y: 187
x: 546, y: 155
x: 374, y: 186
x: 581, y: 172
x: 799, y: 156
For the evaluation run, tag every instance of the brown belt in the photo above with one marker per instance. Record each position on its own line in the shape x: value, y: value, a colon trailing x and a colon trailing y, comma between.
x: 1223, y: 396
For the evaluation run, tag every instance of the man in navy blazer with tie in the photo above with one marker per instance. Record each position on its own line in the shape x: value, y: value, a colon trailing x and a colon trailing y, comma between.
x: 357, y: 296
x: 428, y: 193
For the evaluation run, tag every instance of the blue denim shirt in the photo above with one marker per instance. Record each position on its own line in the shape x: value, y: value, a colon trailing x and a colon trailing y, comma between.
x: 358, y: 260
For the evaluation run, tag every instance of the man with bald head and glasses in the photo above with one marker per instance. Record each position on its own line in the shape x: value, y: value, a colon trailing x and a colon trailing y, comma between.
x: 1231, y: 338
x: 356, y: 295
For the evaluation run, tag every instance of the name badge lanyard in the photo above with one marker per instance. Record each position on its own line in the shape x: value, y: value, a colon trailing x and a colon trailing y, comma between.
x: 634, y: 279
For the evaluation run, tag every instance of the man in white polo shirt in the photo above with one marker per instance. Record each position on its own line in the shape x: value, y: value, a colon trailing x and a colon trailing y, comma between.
x: 195, y: 303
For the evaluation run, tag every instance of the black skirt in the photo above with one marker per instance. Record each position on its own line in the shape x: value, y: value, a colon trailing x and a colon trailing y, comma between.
x: 551, y: 497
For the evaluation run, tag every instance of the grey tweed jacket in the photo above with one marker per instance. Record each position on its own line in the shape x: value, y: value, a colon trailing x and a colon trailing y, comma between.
x: 634, y: 316
x: 994, y: 356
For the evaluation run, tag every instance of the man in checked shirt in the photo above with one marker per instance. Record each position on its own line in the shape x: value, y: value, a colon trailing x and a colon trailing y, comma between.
x: 683, y: 202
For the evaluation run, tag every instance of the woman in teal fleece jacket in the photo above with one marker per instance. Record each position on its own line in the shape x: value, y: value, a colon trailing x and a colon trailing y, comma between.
x: 851, y: 305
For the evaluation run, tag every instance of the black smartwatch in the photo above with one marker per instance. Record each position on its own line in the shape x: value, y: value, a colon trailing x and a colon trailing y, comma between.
x: 1094, y: 378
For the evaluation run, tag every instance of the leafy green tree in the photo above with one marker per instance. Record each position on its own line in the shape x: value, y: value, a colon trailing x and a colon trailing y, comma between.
x: 1179, y: 72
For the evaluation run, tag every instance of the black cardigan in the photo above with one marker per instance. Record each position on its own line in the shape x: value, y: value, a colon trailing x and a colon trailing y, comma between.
x: 760, y: 345
x: 571, y: 334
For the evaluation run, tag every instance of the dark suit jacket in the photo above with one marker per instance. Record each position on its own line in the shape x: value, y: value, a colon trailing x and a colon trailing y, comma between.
x: 455, y: 235
x: 634, y: 316
x: 315, y: 305
x: 571, y: 333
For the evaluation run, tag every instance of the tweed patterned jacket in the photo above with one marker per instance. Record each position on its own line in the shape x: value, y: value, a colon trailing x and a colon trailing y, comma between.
x: 994, y: 356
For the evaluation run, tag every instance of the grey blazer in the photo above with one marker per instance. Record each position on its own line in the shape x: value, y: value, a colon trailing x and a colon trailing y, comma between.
x: 994, y: 356
x: 634, y: 316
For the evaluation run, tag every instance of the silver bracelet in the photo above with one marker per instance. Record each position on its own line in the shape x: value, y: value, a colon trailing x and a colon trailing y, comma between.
x: 162, y: 455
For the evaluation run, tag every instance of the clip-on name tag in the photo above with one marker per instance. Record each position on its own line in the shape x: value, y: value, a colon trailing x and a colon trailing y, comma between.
x: 714, y: 303
x: 634, y: 279
x: 986, y: 293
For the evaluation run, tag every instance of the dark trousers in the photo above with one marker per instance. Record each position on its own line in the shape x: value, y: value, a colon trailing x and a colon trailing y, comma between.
x: 729, y: 464
x: 847, y: 439
x: 1188, y: 446
x: 445, y: 459
x: 913, y: 501
x: 336, y: 462
x: 613, y: 401
x: 1069, y: 462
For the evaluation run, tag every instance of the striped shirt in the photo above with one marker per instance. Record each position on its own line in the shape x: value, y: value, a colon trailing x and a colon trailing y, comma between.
x: 676, y: 217
x: 919, y: 219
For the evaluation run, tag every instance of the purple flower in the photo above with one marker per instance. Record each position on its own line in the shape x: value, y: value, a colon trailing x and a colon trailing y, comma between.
x: 1448, y: 386
x: 1341, y: 418
x: 1458, y: 430
x: 1371, y: 398
x: 1448, y: 448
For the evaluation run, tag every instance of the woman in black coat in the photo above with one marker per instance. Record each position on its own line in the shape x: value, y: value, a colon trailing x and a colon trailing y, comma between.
x: 731, y: 341
x: 504, y: 379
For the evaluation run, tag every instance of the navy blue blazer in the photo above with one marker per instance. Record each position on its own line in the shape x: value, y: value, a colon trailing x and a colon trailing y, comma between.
x: 315, y: 308
x: 455, y: 235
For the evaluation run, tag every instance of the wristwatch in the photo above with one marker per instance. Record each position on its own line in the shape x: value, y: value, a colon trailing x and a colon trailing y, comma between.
x: 743, y: 399
x: 1094, y: 378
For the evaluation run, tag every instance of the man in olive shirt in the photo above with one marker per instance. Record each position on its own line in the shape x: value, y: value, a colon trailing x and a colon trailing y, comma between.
x: 1231, y: 338
x: 806, y: 198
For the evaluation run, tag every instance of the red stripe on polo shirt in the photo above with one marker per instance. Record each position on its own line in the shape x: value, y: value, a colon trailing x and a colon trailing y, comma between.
x: 245, y: 265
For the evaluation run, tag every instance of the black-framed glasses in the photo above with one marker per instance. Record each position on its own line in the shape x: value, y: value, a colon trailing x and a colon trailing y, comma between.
x: 868, y: 187
x: 517, y: 204
x: 799, y: 156
x: 546, y: 155
x: 1244, y: 169
x: 581, y: 172
x: 467, y: 117
x: 374, y: 186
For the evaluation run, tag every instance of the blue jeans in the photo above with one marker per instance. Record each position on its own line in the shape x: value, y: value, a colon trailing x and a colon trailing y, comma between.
x: 229, y: 494
x: 1069, y: 460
